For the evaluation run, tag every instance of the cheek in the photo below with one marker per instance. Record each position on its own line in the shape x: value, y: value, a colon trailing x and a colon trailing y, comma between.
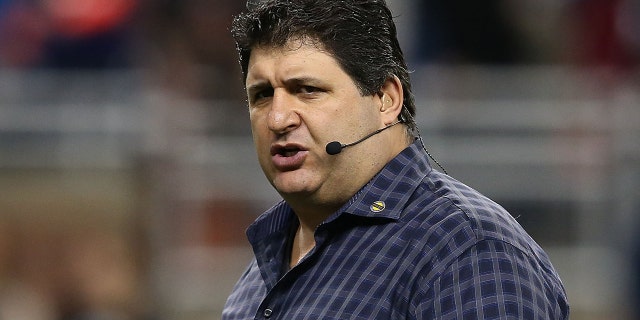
x: 358, y: 119
x: 258, y: 124
x: 260, y: 134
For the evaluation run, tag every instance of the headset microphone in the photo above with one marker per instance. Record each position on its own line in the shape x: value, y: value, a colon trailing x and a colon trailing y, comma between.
x: 335, y: 147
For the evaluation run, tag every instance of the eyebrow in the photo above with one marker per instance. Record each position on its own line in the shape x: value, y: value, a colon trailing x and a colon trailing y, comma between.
x: 291, y: 81
x: 258, y: 86
x: 304, y: 80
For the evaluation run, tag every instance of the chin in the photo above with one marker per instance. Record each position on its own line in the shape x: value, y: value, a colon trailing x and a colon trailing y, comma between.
x: 292, y: 183
x: 293, y: 189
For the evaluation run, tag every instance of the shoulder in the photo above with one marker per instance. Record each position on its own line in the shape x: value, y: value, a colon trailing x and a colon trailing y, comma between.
x: 479, y: 252
x: 459, y: 212
x: 452, y: 220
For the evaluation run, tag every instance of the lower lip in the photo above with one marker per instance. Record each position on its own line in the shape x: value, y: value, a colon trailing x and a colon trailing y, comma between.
x: 293, y: 162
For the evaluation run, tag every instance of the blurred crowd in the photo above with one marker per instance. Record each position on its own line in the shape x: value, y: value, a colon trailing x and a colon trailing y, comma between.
x: 574, y: 32
x: 65, y: 34
x: 184, y: 47
x: 183, y: 44
x: 187, y: 43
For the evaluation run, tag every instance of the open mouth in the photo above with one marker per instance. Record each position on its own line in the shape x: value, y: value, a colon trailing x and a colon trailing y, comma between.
x: 288, y: 157
x: 286, y: 151
x: 289, y: 152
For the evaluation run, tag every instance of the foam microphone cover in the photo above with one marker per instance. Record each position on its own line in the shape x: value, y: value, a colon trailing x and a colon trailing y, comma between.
x: 334, y: 147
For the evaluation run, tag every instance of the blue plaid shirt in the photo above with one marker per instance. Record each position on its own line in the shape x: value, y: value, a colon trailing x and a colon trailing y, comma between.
x: 411, y: 244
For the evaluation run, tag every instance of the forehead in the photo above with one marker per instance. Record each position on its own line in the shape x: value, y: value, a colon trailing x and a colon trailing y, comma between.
x: 297, y: 54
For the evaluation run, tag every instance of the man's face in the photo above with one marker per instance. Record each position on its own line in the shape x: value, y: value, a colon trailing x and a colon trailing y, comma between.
x: 300, y: 100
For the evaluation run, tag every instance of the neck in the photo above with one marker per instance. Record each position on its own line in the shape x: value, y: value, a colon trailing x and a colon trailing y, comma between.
x: 303, y: 242
x: 311, y: 215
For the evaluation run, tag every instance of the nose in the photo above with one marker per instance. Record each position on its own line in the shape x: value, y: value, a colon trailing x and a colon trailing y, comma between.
x: 283, y: 116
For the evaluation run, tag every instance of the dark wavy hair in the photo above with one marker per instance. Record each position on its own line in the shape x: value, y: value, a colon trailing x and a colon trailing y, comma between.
x: 359, y: 34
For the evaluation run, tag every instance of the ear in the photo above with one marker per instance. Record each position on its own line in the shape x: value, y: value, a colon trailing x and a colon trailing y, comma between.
x: 391, y: 100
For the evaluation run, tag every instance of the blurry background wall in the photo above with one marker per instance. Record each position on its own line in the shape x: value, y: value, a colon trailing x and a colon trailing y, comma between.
x: 128, y: 176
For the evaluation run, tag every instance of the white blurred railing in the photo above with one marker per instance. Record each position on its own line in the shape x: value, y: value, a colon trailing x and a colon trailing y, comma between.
x: 560, y: 147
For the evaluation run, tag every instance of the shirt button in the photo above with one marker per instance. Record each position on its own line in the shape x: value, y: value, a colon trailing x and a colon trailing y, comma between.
x: 267, y: 313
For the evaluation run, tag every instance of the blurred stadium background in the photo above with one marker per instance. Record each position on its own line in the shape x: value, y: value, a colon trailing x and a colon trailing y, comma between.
x: 128, y: 176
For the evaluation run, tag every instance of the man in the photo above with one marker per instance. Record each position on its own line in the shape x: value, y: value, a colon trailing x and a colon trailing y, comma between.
x: 366, y: 229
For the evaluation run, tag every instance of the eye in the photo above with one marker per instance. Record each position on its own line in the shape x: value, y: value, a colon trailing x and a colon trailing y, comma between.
x: 261, y: 94
x: 309, y: 90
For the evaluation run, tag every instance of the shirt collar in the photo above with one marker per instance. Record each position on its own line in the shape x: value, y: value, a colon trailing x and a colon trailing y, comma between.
x: 389, y: 190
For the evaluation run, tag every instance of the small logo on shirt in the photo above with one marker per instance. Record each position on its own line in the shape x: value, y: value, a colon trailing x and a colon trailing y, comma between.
x: 377, y: 206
